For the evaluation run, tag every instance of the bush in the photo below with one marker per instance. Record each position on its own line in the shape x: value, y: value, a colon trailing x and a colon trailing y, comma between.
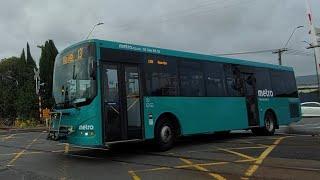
x: 25, y: 123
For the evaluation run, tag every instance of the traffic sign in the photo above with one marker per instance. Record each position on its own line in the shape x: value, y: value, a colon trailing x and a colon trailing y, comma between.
x: 46, y: 113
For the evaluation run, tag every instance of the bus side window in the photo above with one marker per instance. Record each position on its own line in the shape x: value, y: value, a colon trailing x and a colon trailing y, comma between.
x: 283, y: 83
x: 234, y: 83
x: 214, y: 78
x: 161, y: 79
x: 191, y: 79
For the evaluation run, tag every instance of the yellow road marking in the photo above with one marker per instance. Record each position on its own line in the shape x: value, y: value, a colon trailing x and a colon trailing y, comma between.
x: 203, y: 164
x: 188, y: 166
x: 249, y: 147
x: 7, y: 137
x: 57, y: 151
x: 217, y: 176
x: 134, y: 175
x: 193, y: 165
x: 262, y: 145
x: 10, y: 154
x: 66, y: 148
x: 16, y: 134
x: 154, y: 169
x: 253, y: 168
x: 222, y: 163
x: 237, y: 153
x: 198, y: 167
x: 23, y: 151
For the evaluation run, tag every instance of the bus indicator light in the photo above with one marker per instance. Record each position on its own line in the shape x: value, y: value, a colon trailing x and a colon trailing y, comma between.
x: 150, y: 61
x: 150, y: 119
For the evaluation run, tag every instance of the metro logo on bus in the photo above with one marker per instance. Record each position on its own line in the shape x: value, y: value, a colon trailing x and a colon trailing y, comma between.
x: 265, y: 93
x: 86, y: 127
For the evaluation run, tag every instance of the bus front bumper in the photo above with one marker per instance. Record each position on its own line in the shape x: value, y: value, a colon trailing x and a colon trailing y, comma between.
x: 60, y: 134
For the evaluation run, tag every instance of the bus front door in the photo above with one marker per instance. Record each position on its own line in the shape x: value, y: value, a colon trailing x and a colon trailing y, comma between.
x: 121, y: 102
x: 251, y: 99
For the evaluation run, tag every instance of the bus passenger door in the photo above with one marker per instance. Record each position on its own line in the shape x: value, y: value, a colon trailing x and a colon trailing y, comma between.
x: 112, y: 116
x: 121, y: 102
x: 251, y: 99
x: 132, y: 98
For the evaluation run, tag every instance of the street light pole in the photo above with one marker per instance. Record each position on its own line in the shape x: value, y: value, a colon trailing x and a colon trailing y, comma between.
x: 282, y: 50
x: 94, y: 26
x: 295, y: 29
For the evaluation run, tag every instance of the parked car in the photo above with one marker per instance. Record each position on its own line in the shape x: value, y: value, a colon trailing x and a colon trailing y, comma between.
x: 310, y: 109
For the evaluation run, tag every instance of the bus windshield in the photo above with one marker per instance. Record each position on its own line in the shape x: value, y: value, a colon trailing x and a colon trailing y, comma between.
x: 74, y: 76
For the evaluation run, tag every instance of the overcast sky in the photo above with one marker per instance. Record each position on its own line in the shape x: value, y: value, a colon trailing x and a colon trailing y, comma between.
x: 205, y: 26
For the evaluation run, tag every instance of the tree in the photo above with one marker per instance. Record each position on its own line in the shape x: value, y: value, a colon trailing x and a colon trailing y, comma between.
x: 46, y: 65
x: 26, y: 101
x: 23, y: 56
x: 30, y: 61
x: 17, y: 87
x: 8, y: 87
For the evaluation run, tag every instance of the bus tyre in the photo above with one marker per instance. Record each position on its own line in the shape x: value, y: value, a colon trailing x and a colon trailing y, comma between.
x: 164, y: 135
x: 269, y: 124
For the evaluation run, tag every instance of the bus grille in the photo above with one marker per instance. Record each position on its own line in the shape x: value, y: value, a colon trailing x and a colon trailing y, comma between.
x: 294, y: 110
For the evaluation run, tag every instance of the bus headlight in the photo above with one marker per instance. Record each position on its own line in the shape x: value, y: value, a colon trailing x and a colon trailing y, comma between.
x: 87, y: 133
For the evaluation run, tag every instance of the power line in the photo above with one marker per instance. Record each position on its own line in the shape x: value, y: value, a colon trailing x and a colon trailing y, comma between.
x: 247, y: 52
x: 288, y: 52
x: 201, y: 10
x: 299, y: 52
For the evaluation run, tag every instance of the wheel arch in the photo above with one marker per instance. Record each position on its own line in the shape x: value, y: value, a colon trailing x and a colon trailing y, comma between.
x: 169, y: 117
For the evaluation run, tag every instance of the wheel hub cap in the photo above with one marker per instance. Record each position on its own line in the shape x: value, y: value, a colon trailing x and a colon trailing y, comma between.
x: 166, y: 134
x: 269, y: 124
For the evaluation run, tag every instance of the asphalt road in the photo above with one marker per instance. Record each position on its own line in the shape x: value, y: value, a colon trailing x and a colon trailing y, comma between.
x: 241, y: 155
x: 307, y: 126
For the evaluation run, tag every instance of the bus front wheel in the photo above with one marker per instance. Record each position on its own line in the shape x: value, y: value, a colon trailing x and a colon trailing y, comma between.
x: 269, y: 126
x: 164, y: 135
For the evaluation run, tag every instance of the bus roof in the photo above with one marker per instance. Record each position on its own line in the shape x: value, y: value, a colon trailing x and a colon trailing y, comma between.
x: 161, y: 51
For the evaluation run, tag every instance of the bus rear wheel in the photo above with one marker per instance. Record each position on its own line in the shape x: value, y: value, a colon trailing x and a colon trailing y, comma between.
x: 164, y: 135
x: 269, y: 126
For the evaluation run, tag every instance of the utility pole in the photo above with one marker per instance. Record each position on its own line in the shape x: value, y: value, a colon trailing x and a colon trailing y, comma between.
x: 317, y: 71
x: 316, y: 64
x: 314, y: 33
x: 37, y: 79
x: 280, y: 52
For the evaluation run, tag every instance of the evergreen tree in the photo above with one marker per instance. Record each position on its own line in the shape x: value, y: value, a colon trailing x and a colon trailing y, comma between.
x: 17, y: 86
x: 8, y: 88
x: 46, y: 65
x: 23, y: 56
x: 30, y: 61
x: 27, y: 101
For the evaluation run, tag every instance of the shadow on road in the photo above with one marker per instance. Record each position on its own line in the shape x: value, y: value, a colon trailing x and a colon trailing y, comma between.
x: 128, y: 150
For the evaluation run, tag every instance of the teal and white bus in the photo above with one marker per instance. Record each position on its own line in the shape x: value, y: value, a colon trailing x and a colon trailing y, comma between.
x: 109, y: 92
